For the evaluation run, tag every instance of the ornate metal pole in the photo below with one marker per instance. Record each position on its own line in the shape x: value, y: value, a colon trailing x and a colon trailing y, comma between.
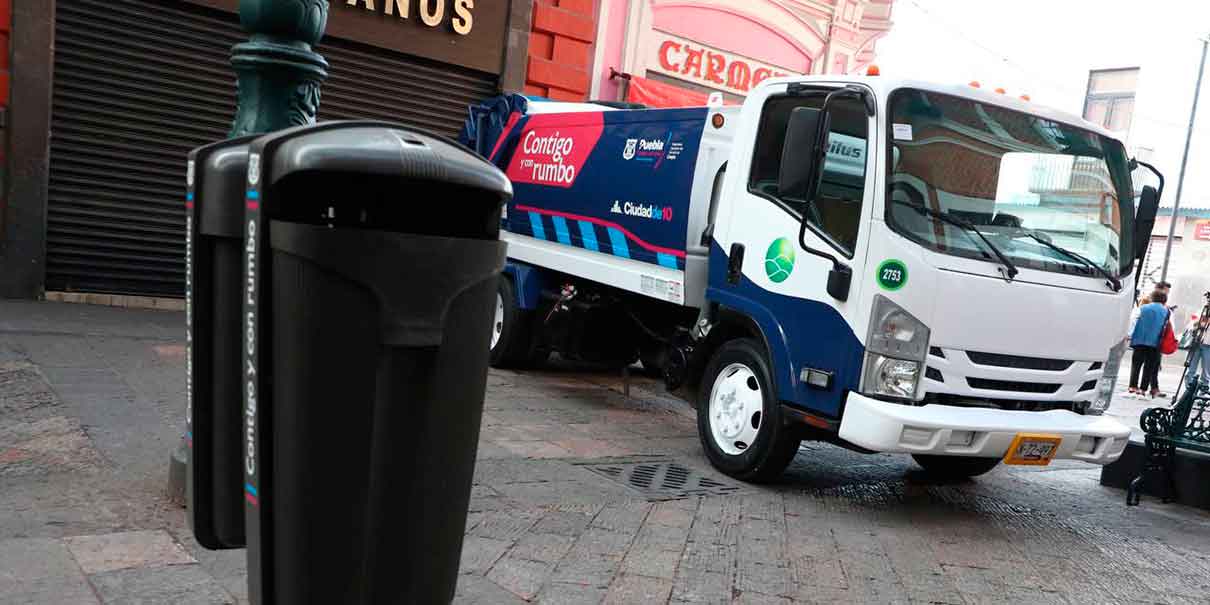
x: 278, y: 80
x: 278, y: 72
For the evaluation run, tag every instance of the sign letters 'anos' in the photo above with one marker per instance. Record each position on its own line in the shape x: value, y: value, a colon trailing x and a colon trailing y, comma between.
x: 432, y: 14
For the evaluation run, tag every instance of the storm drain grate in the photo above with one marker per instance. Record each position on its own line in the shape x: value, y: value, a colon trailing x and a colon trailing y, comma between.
x: 662, y: 480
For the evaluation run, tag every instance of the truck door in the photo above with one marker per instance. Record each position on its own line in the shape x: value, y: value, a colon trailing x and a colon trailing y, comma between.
x: 780, y: 285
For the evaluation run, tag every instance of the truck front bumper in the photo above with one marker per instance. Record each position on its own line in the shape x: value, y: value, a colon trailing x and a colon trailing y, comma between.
x: 958, y: 431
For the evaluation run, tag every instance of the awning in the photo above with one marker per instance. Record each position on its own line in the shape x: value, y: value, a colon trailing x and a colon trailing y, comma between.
x: 658, y: 94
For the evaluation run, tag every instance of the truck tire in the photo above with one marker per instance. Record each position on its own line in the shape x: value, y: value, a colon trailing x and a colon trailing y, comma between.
x: 739, y: 418
x: 512, y: 341
x: 955, y: 467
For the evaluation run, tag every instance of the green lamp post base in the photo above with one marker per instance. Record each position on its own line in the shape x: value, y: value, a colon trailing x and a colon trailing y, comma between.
x: 279, y: 74
x: 278, y: 85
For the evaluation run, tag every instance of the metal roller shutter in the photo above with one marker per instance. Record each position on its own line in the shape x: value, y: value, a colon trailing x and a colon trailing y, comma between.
x: 138, y: 83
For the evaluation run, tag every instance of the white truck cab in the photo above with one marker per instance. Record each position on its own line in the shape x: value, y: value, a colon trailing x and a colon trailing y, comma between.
x: 891, y: 265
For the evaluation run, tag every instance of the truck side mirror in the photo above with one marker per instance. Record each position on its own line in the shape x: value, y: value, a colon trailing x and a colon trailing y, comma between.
x: 802, y: 158
x: 1144, y: 217
x: 839, y: 280
x: 799, y: 154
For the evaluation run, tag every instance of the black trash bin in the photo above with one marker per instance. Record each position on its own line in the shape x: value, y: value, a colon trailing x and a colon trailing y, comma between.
x: 214, y: 478
x: 371, y: 266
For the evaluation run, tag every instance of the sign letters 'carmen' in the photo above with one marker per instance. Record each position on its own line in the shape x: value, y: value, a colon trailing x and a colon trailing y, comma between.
x: 717, y: 69
x: 431, y: 12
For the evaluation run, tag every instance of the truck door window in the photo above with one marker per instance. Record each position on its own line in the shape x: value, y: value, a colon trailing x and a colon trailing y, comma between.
x: 836, y: 211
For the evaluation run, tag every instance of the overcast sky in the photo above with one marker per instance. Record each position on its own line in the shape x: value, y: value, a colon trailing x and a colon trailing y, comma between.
x: 1045, y: 48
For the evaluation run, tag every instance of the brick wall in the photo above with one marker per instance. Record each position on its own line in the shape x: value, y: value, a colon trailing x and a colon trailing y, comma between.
x: 560, y: 49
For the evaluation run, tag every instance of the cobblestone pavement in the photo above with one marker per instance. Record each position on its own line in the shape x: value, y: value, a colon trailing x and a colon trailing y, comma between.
x: 90, y: 405
x: 1128, y: 409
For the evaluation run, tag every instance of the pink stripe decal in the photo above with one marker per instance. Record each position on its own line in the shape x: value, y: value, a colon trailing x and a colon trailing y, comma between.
x: 603, y: 223
x: 251, y: 499
x: 508, y: 127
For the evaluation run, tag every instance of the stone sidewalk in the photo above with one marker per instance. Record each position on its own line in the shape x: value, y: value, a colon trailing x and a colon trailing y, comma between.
x: 562, y: 509
x: 1128, y: 409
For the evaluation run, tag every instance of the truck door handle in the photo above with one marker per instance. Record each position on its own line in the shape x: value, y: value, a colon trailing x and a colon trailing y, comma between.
x: 735, y: 264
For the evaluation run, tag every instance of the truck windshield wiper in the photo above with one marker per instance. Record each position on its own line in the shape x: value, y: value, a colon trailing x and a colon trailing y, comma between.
x: 1009, y: 269
x: 1114, y: 283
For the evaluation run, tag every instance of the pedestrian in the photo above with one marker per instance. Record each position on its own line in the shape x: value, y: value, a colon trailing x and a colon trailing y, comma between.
x: 1201, y: 353
x: 1136, y: 359
x: 1167, y: 289
x: 1145, y: 342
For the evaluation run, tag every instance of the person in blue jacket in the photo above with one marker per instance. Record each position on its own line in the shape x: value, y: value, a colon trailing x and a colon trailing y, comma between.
x: 1145, y: 341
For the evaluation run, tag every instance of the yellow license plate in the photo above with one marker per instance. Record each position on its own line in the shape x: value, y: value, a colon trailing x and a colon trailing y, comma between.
x: 1033, y: 449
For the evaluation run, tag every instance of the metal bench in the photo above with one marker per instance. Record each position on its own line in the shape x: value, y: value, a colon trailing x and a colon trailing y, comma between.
x: 1185, y: 425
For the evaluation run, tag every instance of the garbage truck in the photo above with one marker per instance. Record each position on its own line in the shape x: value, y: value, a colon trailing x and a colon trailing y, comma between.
x: 885, y: 264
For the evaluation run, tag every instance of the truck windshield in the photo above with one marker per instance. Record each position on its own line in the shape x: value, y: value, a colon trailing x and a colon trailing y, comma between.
x: 1039, y: 190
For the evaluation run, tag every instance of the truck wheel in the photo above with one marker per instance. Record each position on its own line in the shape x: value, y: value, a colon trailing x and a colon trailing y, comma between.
x: 739, y: 418
x: 955, y: 467
x: 512, y: 343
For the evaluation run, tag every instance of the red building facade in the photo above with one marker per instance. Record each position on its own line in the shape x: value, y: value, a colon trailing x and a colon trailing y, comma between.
x: 678, y: 52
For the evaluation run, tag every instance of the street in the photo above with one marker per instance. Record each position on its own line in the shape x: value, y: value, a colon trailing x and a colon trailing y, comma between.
x: 267, y: 266
x: 581, y: 495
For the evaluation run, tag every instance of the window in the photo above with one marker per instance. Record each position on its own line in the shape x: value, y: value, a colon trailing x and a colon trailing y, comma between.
x: 1110, y: 98
x: 1113, y: 81
x: 1018, y: 178
x: 836, y: 212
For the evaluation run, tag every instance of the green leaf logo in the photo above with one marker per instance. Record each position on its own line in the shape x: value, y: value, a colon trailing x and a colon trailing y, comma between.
x: 779, y: 260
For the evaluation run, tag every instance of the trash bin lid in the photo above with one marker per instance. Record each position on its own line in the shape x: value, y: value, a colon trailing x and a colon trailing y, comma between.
x: 378, y: 149
x: 220, y: 170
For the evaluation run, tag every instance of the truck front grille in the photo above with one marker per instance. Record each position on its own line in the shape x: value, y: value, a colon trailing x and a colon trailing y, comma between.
x: 1003, y: 404
x: 1018, y: 362
x: 1012, y: 386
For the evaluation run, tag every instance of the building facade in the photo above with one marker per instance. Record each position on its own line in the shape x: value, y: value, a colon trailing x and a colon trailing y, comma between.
x: 108, y: 97
x: 667, y: 48
x: 1189, y: 265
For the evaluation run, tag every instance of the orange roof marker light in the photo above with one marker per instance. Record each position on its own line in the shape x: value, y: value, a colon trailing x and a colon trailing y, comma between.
x: 999, y: 91
x: 873, y: 70
x: 1025, y: 98
x: 975, y: 84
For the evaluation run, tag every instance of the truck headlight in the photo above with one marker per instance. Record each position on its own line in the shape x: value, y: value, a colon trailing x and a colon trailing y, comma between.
x: 1103, y: 395
x: 895, y: 352
x: 891, y: 377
